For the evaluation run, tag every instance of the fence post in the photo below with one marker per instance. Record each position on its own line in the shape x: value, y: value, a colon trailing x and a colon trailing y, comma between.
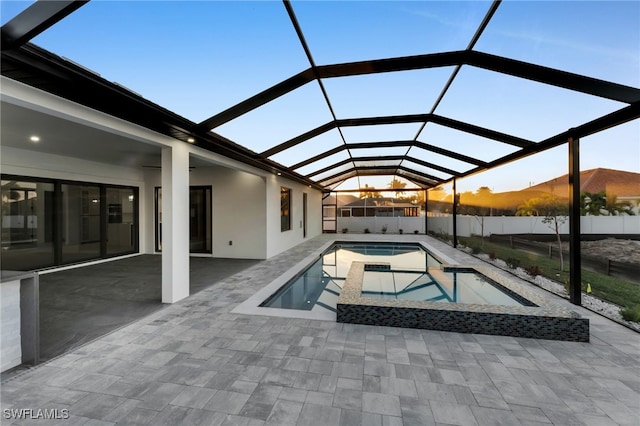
x: 511, y: 241
x: 608, y: 266
x: 550, y: 251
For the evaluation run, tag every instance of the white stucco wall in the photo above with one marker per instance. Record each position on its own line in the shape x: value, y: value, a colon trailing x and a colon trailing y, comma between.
x: 10, y: 345
x: 277, y: 240
x: 238, y: 210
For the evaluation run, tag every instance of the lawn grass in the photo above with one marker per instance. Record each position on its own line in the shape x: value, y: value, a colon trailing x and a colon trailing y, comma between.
x: 605, y: 287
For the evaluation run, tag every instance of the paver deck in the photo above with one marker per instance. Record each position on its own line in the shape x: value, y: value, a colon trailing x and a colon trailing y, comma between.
x: 195, y: 362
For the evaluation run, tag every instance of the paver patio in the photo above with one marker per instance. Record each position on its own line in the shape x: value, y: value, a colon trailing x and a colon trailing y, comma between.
x: 195, y: 362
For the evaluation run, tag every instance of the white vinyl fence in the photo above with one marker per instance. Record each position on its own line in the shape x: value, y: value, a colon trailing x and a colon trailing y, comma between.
x: 473, y: 225
x: 375, y: 224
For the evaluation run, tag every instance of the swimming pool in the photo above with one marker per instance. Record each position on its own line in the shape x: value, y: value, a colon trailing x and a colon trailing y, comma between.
x: 393, y: 271
x: 537, y: 317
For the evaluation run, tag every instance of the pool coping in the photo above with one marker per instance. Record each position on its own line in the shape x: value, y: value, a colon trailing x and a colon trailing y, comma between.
x: 543, y: 321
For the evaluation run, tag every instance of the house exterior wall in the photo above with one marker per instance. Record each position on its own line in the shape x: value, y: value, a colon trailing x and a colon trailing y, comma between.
x: 239, y: 214
x: 246, y: 200
x: 277, y: 240
x: 245, y: 210
x: 238, y: 210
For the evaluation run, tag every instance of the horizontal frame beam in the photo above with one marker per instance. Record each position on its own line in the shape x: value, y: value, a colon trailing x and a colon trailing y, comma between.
x: 400, y: 119
x: 35, y: 19
x: 258, y: 100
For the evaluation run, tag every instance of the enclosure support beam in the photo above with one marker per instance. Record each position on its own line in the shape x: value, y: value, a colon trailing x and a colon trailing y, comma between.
x: 575, y: 259
x: 426, y: 209
x: 455, y: 214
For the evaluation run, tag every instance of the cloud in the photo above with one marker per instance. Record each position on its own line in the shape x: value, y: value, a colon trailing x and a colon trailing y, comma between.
x: 627, y: 55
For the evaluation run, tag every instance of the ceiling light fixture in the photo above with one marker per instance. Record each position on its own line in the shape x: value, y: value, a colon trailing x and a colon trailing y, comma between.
x: 279, y: 174
x: 34, y: 138
x: 191, y: 140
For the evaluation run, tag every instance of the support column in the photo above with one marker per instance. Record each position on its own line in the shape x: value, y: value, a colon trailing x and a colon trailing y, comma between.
x: 455, y: 214
x: 575, y: 258
x: 175, y: 223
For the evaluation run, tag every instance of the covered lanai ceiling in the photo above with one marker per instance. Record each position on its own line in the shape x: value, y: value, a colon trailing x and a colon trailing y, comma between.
x: 427, y: 99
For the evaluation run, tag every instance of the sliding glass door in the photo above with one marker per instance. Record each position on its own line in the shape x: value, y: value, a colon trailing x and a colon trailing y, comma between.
x: 27, y: 224
x: 81, y: 209
x: 48, y: 222
x: 122, y: 213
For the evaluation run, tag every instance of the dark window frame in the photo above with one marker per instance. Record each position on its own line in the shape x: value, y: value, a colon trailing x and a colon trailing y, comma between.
x: 285, y: 209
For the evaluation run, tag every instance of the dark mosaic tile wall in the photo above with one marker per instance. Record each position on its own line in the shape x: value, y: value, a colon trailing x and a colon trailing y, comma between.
x: 543, y: 320
x: 537, y: 327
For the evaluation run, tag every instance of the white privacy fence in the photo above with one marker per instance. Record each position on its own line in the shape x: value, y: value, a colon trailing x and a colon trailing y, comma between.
x: 375, y: 224
x: 473, y: 225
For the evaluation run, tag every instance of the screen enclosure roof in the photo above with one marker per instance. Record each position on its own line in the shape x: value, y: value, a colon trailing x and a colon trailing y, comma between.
x: 331, y: 94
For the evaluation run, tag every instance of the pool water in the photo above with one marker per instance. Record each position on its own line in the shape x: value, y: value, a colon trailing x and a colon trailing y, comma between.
x: 398, y: 271
x: 435, y: 285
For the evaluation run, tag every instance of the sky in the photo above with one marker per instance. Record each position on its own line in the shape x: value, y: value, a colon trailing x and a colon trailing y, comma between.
x: 199, y: 58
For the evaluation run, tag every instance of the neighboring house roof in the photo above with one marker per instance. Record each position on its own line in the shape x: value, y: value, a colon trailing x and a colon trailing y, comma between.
x: 342, y: 199
x: 616, y: 182
x: 380, y: 202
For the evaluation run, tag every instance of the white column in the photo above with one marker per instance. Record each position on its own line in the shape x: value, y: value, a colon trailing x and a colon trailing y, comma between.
x: 175, y: 223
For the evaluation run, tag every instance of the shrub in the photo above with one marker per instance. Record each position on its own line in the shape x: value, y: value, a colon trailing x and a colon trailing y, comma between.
x: 384, y: 229
x: 415, y: 231
x: 344, y: 230
x: 492, y: 255
x: 512, y: 262
x: 631, y: 313
x: 475, y: 250
x: 533, y: 270
x: 400, y: 231
x: 366, y: 231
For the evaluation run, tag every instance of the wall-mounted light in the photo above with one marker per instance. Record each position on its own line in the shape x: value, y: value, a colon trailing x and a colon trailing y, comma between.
x: 130, y: 197
x: 191, y: 140
x: 34, y: 138
x: 279, y: 174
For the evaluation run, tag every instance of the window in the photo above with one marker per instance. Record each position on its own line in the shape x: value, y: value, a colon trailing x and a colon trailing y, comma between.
x: 285, y: 209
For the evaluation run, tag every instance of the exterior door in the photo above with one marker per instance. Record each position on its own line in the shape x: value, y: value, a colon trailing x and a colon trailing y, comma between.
x: 304, y: 215
x: 200, y: 230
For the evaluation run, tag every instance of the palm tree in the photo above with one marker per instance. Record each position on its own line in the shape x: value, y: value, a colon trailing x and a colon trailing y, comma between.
x: 601, y: 203
x: 369, y: 192
x: 399, y: 185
